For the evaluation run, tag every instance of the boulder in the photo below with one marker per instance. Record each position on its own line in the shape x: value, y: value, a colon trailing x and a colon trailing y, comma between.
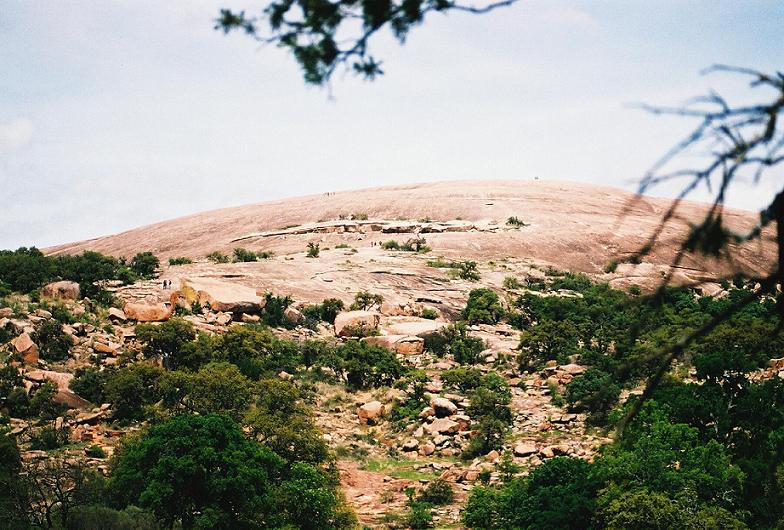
x: 293, y: 315
x: 443, y: 426
x: 147, y: 312
x: 63, y: 290
x: 25, y: 346
x: 370, y: 413
x: 419, y: 327
x: 572, y: 369
x: 401, y: 344
x: 6, y: 312
x: 524, y: 449
x: 64, y: 393
x: 427, y: 449
x: 411, y: 445
x: 222, y: 296
x: 443, y: 407
x: 348, y: 321
x: 117, y: 314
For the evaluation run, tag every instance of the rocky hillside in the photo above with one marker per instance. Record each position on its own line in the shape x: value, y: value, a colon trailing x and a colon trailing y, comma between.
x: 569, y: 226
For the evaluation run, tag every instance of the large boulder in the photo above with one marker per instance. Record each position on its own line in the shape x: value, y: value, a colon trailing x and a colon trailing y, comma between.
x: 222, y: 296
x: 25, y: 346
x: 64, y: 393
x: 147, y: 312
x: 348, y: 322
x: 443, y: 426
x: 402, y: 344
x: 370, y: 413
x: 419, y: 327
x: 443, y: 407
x: 63, y: 290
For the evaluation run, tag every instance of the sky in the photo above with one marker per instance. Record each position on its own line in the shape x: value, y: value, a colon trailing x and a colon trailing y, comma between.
x: 117, y: 114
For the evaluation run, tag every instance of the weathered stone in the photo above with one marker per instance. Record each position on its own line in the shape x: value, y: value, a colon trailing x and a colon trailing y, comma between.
x: 442, y: 426
x: 107, y: 348
x: 370, y: 413
x: 293, y: 315
x: 443, y: 407
x: 64, y: 393
x: 43, y: 313
x: 351, y: 321
x: 427, y: 449
x: 25, y: 346
x: 410, y: 445
x: 524, y: 449
x: 222, y: 296
x: 250, y: 319
x: 117, y: 314
x: 572, y: 369
x: 401, y: 344
x: 64, y: 290
x: 147, y: 312
x: 6, y: 312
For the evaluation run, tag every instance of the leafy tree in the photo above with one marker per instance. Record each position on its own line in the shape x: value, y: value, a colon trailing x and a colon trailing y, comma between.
x: 490, y: 410
x: 281, y: 421
x: 455, y: 340
x: 171, y: 340
x: 594, y: 391
x: 483, y: 307
x: 53, y: 343
x: 198, y: 471
x: 365, y: 300
x: 145, y: 264
x: 362, y: 365
x: 218, y: 387
x: 548, y: 340
x: 97, y: 517
x: 25, y: 269
x: 256, y: 351
x: 274, y: 312
x: 316, y: 36
x: 89, y: 383
x: 132, y: 388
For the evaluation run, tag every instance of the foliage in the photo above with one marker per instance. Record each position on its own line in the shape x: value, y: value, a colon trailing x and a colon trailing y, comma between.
x: 280, y: 420
x: 89, y: 383
x: 594, y: 391
x: 454, y: 340
x: 168, y: 340
x: 218, y: 257
x: 242, y: 255
x: 466, y: 270
x: 256, y: 351
x: 53, y: 343
x: 313, y: 250
x: 429, y: 313
x: 490, y: 410
x: 483, y: 307
x: 549, y: 340
x: 515, y: 221
x: 361, y: 365
x: 327, y: 310
x: 132, y: 388
x: 365, y: 300
x: 438, y: 492
x: 145, y: 264
x: 218, y: 387
x: 274, y: 312
x: 97, y: 517
x: 180, y: 260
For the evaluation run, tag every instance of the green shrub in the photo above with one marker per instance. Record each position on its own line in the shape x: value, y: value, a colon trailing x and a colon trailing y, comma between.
x: 48, y: 438
x: 515, y: 221
x: 463, y: 378
x: 327, y: 310
x: 145, y: 264
x: 361, y: 365
x: 53, y: 343
x: 611, y: 266
x: 429, y: 313
x: 132, y: 388
x: 182, y: 260
x: 171, y: 341
x: 95, y: 451
x: 365, y: 300
x: 313, y: 250
x: 274, y: 312
x: 390, y: 245
x: 466, y: 270
x: 242, y: 255
x: 96, y: 517
x: 256, y: 351
x: 438, y: 492
x: 218, y: 257
x: 511, y: 283
x: 593, y: 391
x: 454, y: 340
x: 359, y: 216
x: 483, y: 307
x: 89, y: 383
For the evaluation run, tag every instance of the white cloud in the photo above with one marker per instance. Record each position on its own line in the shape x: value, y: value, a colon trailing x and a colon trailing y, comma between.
x: 15, y: 134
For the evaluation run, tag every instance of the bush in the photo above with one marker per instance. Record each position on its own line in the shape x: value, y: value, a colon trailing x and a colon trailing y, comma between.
x: 53, y: 343
x: 256, y: 351
x: 611, y: 266
x: 180, y: 261
x: 511, y: 283
x: 483, y: 307
x: 515, y: 221
x: 454, y: 340
x: 95, y: 451
x: 490, y: 409
x: 89, y: 383
x: 463, y: 378
x: 365, y: 300
x: 49, y: 438
x: 97, y: 517
x: 274, y: 312
x: 132, y: 388
x: 594, y: 391
x: 429, y: 313
x: 169, y: 340
x: 466, y: 270
x: 416, y: 244
x: 145, y: 264
x: 361, y: 365
x: 242, y: 255
x: 438, y: 492
x: 390, y: 245
x: 548, y: 340
x: 218, y: 257
x: 326, y: 310
x: 313, y: 250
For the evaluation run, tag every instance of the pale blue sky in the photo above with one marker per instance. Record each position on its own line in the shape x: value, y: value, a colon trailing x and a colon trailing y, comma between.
x: 115, y: 114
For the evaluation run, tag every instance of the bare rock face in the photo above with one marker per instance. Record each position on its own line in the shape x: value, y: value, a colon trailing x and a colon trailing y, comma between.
x: 349, y: 321
x: 63, y: 290
x: 117, y: 314
x: 222, y: 296
x: 147, y: 312
x: 523, y: 449
x: 443, y: 407
x: 25, y: 346
x: 370, y: 413
x: 401, y: 344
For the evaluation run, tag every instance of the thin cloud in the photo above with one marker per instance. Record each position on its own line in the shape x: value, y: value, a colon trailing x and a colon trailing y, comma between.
x: 15, y: 134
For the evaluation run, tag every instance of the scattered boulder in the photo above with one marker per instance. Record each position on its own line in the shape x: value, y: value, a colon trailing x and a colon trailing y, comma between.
x: 63, y: 290
x: 117, y: 314
x: 349, y: 321
x: 523, y: 449
x: 443, y: 407
x: 222, y: 296
x: 443, y: 426
x: 64, y: 393
x: 411, y: 445
x: 427, y: 449
x: 572, y: 369
x: 400, y: 344
x: 293, y: 315
x: 370, y: 413
x: 25, y: 346
x: 147, y: 312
